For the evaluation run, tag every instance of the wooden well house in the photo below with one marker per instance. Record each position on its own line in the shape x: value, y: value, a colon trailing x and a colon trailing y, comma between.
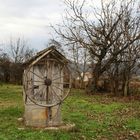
x: 46, y: 83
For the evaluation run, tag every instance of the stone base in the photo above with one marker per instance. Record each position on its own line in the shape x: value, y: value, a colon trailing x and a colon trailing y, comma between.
x: 65, y: 127
x: 36, y: 116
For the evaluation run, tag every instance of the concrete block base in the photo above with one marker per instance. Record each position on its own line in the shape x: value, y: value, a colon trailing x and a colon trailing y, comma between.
x: 37, y: 116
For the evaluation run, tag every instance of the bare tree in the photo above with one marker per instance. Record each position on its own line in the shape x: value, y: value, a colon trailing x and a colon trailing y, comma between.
x: 103, y: 35
x: 130, y: 61
x: 19, y: 51
x: 4, y: 68
x: 80, y: 59
x: 80, y: 62
x: 11, y: 61
x: 122, y: 70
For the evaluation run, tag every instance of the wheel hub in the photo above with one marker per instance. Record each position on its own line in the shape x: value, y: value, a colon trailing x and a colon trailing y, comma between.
x: 47, y: 81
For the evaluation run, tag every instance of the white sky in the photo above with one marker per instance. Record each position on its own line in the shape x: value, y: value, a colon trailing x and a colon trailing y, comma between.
x: 30, y: 19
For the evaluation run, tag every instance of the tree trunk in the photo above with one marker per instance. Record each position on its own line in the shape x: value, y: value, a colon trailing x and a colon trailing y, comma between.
x: 95, y: 83
x: 116, y: 85
x: 126, y: 88
x: 126, y: 82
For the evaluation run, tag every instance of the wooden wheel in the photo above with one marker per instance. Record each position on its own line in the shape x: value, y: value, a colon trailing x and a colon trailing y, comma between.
x: 47, y: 83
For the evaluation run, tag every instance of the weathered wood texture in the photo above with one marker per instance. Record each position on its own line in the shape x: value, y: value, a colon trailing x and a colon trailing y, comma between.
x: 46, y: 66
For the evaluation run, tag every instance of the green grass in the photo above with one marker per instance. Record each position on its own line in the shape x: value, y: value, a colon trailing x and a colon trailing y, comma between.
x: 96, y: 117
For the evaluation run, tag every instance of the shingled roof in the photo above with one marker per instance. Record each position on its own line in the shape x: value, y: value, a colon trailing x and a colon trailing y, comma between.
x: 50, y: 50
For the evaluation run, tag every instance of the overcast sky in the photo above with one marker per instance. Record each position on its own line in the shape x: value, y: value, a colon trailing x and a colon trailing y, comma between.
x: 30, y: 19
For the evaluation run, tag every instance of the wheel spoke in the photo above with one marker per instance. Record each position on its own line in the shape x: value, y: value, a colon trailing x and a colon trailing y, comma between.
x: 58, y: 88
x: 56, y: 94
x: 43, y: 91
x: 39, y: 81
x: 40, y: 85
x: 47, y: 94
x: 36, y: 75
x: 40, y: 90
x: 60, y: 83
x: 34, y: 81
x: 58, y: 78
x: 32, y: 87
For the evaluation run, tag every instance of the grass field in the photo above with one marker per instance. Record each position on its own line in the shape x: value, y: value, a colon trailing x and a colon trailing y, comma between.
x: 96, y: 117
